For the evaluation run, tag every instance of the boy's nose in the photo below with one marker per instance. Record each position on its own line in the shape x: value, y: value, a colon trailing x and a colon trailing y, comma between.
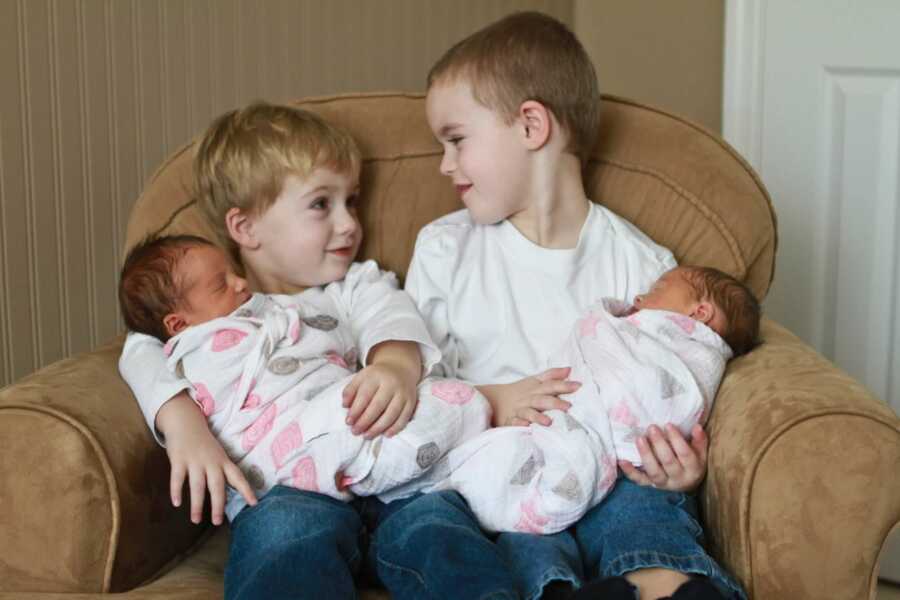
x: 346, y: 223
x: 448, y: 165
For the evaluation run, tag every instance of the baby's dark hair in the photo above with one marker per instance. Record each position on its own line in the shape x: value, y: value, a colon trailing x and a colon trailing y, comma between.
x: 148, y: 288
x: 741, y: 308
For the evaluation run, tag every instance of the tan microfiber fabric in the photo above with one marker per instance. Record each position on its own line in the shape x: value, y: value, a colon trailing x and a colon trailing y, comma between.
x: 79, y: 467
x: 802, y: 486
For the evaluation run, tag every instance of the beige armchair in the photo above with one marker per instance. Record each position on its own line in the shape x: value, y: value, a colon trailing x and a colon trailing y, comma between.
x: 803, y: 483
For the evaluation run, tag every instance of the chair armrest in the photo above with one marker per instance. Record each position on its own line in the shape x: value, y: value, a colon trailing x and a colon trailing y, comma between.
x: 802, y: 488
x: 83, y: 485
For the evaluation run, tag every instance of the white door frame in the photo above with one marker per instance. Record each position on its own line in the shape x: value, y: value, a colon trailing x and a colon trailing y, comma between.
x: 742, y: 98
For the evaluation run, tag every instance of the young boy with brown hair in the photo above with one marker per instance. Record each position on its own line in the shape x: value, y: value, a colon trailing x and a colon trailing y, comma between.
x: 515, y: 107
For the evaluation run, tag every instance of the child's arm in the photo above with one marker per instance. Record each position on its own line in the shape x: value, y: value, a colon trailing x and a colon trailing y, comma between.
x: 524, y: 401
x: 164, y: 402
x: 194, y: 453
x: 669, y: 461
x: 382, y: 397
x: 389, y: 331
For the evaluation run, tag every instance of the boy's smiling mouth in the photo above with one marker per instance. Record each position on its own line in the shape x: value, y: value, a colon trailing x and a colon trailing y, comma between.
x: 342, y: 252
x: 462, y: 188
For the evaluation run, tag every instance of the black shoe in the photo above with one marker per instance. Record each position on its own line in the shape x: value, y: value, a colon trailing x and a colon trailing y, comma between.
x: 698, y: 588
x: 611, y: 588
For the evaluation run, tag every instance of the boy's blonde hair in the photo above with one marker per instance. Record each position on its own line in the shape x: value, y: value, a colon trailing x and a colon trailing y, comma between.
x: 245, y: 155
x: 529, y: 56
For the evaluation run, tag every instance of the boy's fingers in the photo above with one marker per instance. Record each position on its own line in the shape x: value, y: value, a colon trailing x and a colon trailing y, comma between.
x: 388, y: 417
x: 633, y: 473
x: 652, y: 470
x: 556, y: 387
x: 215, y: 483
x: 687, y: 457
x: 361, y: 401
x: 530, y: 415
x: 373, y: 411
x: 198, y: 494
x: 700, y: 443
x: 543, y: 403
x: 350, y: 391
x: 555, y: 373
x: 517, y: 422
x: 403, y: 420
x: 176, y: 483
x: 664, y: 453
x: 236, y: 479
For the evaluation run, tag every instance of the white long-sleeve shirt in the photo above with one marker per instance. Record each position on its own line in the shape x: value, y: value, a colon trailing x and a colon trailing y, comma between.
x: 498, y: 305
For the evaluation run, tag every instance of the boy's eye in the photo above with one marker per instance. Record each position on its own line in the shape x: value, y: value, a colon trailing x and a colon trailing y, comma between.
x: 352, y: 201
x: 455, y: 140
x: 319, y: 203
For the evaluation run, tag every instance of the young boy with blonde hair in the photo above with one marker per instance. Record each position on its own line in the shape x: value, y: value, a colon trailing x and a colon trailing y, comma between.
x: 279, y: 185
x: 515, y: 107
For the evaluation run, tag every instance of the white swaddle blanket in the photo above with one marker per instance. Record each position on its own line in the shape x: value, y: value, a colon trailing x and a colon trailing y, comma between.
x: 637, y: 369
x: 269, y: 378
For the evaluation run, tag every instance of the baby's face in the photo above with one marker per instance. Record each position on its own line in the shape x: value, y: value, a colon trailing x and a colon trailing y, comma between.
x: 211, y: 287
x: 671, y: 292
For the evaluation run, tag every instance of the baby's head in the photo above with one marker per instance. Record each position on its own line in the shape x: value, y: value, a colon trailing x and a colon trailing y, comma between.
x: 172, y: 282
x: 712, y: 297
x: 279, y: 184
x: 520, y: 85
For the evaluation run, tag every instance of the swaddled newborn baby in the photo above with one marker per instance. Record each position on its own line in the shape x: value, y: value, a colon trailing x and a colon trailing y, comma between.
x: 657, y: 361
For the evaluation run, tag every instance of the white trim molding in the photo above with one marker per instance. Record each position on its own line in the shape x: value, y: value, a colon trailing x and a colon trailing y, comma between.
x: 742, y: 97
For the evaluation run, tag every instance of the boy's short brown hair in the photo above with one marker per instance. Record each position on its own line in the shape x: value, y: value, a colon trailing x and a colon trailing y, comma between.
x: 741, y: 308
x: 529, y: 56
x: 246, y: 154
x: 149, y: 288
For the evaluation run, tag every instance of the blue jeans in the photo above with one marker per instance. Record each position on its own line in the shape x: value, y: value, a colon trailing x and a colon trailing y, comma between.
x: 640, y: 527
x: 297, y: 544
x: 294, y: 544
x: 431, y: 546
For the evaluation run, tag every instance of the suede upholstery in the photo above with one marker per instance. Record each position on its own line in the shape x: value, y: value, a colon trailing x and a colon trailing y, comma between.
x: 802, y: 487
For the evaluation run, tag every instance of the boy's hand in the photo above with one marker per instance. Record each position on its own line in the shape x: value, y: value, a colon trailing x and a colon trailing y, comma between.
x: 669, y: 462
x: 195, y: 454
x: 524, y: 401
x: 382, y: 399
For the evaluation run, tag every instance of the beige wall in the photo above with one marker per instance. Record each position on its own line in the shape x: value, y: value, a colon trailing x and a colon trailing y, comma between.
x: 664, y: 52
x: 97, y: 92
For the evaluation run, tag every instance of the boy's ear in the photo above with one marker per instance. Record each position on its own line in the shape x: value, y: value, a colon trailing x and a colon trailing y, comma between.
x: 174, y: 323
x: 240, y: 228
x: 536, y: 124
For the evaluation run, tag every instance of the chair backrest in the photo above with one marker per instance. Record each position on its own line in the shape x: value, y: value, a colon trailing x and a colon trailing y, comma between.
x: 683, y: 186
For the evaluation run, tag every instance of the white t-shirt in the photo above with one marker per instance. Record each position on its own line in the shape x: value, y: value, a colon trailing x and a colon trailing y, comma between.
x: 367, y: 299
x: 498, y: 305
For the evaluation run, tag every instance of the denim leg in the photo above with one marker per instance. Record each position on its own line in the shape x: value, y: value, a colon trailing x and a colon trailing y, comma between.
x: 430, y: 547
x: 639, y: 527
x: 538, y: 560
x: 294, y: 544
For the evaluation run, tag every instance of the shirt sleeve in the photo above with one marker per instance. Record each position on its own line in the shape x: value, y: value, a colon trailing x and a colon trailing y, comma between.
x: 428, y: 283
x: 379, y: 311
x: 143, y: 367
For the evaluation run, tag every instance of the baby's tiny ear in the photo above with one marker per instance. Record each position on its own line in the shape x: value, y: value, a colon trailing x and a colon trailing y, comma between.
x: 240, y: 228
x: 704, y: 311
x: 174, y: 323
